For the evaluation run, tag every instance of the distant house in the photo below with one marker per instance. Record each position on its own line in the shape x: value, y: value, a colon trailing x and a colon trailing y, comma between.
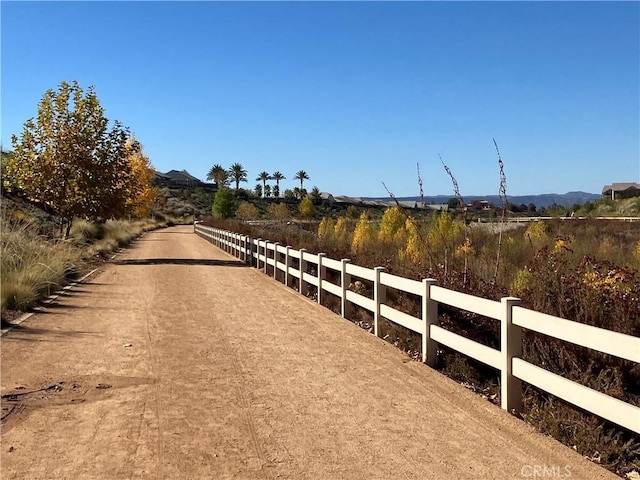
x: 180, y: 178
x: 617, y: 191
x: 162, y: 180
x: 479, y: 205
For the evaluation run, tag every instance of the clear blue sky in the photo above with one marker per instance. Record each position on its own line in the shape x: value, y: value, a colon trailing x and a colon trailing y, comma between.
x: 355, y: 93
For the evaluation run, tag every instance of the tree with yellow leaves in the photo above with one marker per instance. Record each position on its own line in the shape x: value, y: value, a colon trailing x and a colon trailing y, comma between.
x: 69, y: 159
x: 278, y: 211
x: 363, y: 236
x: 247, y: 211
x: 392, y: 225
x: 139, y: 191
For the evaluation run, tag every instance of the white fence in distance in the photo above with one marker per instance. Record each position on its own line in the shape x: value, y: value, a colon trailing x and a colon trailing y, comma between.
x: 513, y: 318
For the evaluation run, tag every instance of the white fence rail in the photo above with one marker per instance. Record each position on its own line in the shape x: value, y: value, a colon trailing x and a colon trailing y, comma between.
x: 263, y: 254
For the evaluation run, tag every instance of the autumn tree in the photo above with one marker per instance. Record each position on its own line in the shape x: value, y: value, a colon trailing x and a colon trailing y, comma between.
x: 69, y: 159
x: 278, y: 211
x: 392, y: 222
x: 306, y: 208
x: 363, y: 236
x: 247, y: 211
x: 137, y: 187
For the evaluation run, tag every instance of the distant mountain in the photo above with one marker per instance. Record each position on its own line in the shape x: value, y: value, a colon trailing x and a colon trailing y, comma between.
x: 542, y: 200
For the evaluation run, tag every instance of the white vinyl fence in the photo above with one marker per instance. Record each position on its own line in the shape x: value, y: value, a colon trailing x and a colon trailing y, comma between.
x: 512, y: 317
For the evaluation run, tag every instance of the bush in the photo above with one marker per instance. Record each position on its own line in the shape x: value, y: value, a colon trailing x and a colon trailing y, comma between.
x: 223, y: 206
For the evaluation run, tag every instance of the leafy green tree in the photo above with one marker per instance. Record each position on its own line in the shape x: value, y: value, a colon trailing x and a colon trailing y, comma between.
x: 69, y: 158
x: 276, y: 191
x: 306, y: 208
x: 223, y: 206
x: 238, y: 174
x: 267, y: 190
x: 288, y: 193
x: 302, y: 176
x: 258, y: 190
x: 263, y: 177
x: 219, y: 175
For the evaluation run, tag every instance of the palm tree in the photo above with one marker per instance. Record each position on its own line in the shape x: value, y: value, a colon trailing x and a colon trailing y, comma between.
x: 219, y: 175
x: 302, y: 176
x: 263, y: 177
x: 238, y: 173
x: 277, y: 176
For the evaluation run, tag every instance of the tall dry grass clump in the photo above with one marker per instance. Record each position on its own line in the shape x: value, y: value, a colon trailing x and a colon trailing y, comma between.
x: 36, y: 263
x: 31, y: 266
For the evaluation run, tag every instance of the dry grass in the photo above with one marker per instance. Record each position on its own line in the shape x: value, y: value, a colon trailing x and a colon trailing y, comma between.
x: 32, y: 266
x: 35, y: 263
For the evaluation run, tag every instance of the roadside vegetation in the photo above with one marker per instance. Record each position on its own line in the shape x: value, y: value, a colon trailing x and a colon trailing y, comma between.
x: 93, y: 186
x: 586, y: 270
x: 75, y: 187
x: 36, y: 261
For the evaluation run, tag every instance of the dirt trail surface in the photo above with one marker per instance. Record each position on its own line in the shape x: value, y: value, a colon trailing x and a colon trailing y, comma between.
x: 179, y: 362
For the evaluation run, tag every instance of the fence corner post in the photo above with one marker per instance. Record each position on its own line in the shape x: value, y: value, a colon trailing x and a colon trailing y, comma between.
x: 345, y: 281
x: 429, y: 317
x: 379, y: 297
x: 511, y: 347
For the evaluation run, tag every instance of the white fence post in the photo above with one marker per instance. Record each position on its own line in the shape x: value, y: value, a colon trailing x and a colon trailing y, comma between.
x: 379, y: 297
x: 511, y: 347
x: 287, y: 261
x: 266, y: 256
x: 429, y: 317
x: 258, y: 253
x: 322, y: 273
x: 345, y: 281
x: 303, y: 288
x: 275, y: 260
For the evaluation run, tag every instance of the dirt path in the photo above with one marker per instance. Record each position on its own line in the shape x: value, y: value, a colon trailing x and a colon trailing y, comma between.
x: 178, y: 362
